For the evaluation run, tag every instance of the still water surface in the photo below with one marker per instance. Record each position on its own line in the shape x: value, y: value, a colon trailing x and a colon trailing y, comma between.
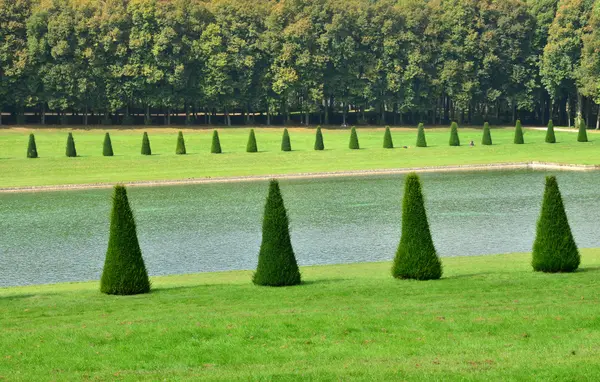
x: 49, y: 237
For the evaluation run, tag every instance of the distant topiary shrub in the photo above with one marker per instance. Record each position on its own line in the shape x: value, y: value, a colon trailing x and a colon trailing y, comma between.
x: 421, y: 141
x: 353, y: 140
x: 146, y: 145
x: 550, y: 137
x: 487, y: 136
x: 180, y: 149
x: 582, y: 134
x: 286, y: 145
x: 387, y: 139
x: 416, y: 257
x: 32, y: 147
x: 251, y: 146
x: 107, y: 149
x: 454, y: 140
x: 124, y: 270
x: 215, y: 147
x: 519, y: 133
x: 277, y: 264
x: 319, y: 145
x: 554, y: 249
x: 71, y: 151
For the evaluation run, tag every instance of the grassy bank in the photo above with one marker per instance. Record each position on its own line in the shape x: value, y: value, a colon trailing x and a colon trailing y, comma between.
x: 53, y: 168
x: 489, y: 318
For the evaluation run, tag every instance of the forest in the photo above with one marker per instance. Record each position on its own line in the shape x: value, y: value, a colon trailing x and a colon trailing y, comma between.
x: 396, y: 62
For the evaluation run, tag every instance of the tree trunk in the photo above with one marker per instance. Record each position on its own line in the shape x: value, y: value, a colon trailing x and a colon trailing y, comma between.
x: 344, y: 113
x: 598, y: 119
x: 85, y: 115
x: 568, y: 110
x: 227, y: 118
x: 43, y: 117
x: 326, y: 112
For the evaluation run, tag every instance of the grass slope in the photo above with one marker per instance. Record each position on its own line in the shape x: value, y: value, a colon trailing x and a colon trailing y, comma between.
x: 128, y: 165
x: 488, y: 318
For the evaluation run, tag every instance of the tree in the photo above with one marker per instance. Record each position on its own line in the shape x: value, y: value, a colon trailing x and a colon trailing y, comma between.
x: 146, y: 145
x: 71, y: 152
x: 277, y: 264
x: 180, y: 149
x: 421, y: 141
x: 107, y: 149
x: 387, y: 139
x: 487, y: 136
x: 554, y: 249
x: 319, y: 145
x: 519, y: 134
x: 582, y: 133
x: 124, y: 270
x: 215, y: 146
x: 251, y: 146
x: 286, y: 145
x: 416, y: 257
x: 588, y: 75
x: 454, y: 140
x: 353, y: 140
x: 550, y: 137
x: 31, y: 147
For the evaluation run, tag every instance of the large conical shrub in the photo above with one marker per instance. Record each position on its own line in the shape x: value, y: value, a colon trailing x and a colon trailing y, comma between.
x: 32, y: 147
x: 286, y: 145
x: 421, y: 141
x: 277, y: 264
x: 215, y: 146
x: 251, y: 146
x: 387, y: 139
x: 454, y: 140
x: 416, y: 257
x: 71, y: 151
x: 124, y: 270
x: 353, y: 145
x: 146, y: 145
x: 180, y: 149
x: 487, y: 136
x: 107, y: 149
x: 519, y: 133
x: 554, y: 249
x: 550, y: 137
x: 319, y: 145
x: 582, y: 134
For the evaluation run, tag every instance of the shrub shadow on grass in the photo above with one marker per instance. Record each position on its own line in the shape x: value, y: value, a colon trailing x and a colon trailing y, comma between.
x: 17, y: 296
x: 467, y: 276
x: 588, y: 269
x: 322, y: 281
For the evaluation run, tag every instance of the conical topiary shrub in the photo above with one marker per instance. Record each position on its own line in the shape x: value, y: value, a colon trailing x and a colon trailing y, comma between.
x: 215, y: 146
x: 251, y: 146
x: 180, y: 149
x: 519, y: 133
x: 554, y: 249
x: 582, y: 134
x: 454, y: 140
x: 124, y: 270
x: 71, y: 151
x: 353, y: 140
x: 319, y: 145
x: 387, y: 139
x: 421, y: 141
x: 32, y: 147
x: 277, y: 264
x: 487, y: 136
x: 416, y: 257
x: 550, y: 137
x: 146, y: 145
x: 107, y: 149
x: 286, y: 145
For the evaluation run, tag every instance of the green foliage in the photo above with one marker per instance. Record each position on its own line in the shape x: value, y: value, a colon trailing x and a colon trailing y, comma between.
x: 454, y: 140
x: 353, y: 140
x: 554, y: 249
x: 277, y: 264
x: 582, y: 133
x: 128, y: 120
x: 32, y: 147
x: 487, y: 136
x: 519, y: 133
x: 387, y: 139
x: 319, y: 145
x: 416, y: 257
x: 251, y: 146
x: 180, y: 149
x: 286, y: 145
x: 124, y: 270
x: 71, y: 151
x: 146, y: 145
x: 550, y: 137
x: 215, y: 146
x: 107, y: 149
x: 421, y: 141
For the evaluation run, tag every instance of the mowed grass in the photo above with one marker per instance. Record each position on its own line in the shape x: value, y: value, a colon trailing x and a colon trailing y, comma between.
x: 488, y: 318
x: 53, y: 168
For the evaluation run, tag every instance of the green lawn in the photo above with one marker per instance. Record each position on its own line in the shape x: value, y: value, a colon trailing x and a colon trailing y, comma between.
x: 53, y: 168
x: 489, y: 317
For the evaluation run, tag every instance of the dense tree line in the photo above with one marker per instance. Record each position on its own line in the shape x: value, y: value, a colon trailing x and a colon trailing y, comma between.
x: 308, y: 61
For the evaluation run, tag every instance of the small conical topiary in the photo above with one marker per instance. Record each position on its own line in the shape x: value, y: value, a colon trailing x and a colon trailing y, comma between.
x: 215, y: 147
x: 353, y: 140
x: 107, y: 149
x: 146, y: 145
x: 180, y: 149
x: 416, y: 257
x: 487, y: 136
x: 319, y: 145
x: 387, y: 139
x: 277, y: 264
x: 582, y: 134
x: 286, y: 145
x: 421, y: 141
x: 554, y: 249
x: 550, y: 137
x: 454, y: 140
x: 124, y: 270
x: 32, y: 147
x: 519, y: 133
x: 71, y: 151
x: 251, y: 146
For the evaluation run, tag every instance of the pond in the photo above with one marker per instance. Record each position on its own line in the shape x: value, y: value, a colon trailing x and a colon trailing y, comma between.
x: 49, y: 237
